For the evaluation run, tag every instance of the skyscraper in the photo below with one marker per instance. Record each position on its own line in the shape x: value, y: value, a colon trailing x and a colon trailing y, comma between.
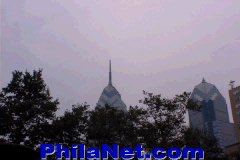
x: 234, y: 94
x: 110, y: 95
x: 213, y: 115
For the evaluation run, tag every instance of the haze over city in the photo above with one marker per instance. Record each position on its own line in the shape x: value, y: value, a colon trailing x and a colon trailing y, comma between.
x: 159, y: 46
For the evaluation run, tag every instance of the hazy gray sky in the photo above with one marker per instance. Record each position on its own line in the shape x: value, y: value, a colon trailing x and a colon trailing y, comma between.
x: 161, y: 46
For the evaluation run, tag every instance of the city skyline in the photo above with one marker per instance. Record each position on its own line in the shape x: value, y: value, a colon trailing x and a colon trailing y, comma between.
x: 160, y: 47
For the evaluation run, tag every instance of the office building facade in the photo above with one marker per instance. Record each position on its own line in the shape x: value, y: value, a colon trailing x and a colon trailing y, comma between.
x: 213, y: 115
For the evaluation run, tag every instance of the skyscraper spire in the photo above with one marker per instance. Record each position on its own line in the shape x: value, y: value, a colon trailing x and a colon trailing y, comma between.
x: 110, y: 73
x: 110, y: 95
x: 203, y: 80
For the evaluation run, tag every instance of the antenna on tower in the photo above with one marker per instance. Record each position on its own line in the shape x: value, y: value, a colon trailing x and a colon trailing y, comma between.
x: 231, y: 84
x: 110, y: 73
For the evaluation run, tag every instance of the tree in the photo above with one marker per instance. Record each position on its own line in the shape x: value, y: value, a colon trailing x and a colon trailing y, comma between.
x: 137, y: 117
x: 201, y: 138
x: 26, y: 106
x: 163, y: 124
x: 71, y: 128
x: 110, y: 125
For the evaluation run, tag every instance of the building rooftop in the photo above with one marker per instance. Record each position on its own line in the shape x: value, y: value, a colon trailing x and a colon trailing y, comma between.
x: 110, y: 96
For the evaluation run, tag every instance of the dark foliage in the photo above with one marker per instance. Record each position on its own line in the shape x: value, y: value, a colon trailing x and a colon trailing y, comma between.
x: 163, y: 124
x: 27, y: 116
x: 201, y: 138
x: 71, y: 128
x: 109, y: 125
x: 26, y: 107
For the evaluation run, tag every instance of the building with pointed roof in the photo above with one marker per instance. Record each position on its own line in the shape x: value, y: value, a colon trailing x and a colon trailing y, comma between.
x: 110, y: 96
x: 213, y: 115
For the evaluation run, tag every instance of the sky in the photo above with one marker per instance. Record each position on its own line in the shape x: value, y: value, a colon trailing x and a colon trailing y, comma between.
x: 164, y: 47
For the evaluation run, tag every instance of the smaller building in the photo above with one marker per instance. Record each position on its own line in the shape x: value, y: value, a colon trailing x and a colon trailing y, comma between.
x: 234, y: 95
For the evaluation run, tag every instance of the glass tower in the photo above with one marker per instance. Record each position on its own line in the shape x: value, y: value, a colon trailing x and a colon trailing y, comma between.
x: 213, y: 115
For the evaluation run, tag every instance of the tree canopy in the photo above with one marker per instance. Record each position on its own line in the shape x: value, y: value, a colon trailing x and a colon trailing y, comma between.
x: 26, y: 106
x: 28, y: 116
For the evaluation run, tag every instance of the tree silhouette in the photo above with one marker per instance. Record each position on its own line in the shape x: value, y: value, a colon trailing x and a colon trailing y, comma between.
x: 71, y: 128
x: 164, y: 122
x: 201, y: 138
x: 110, y: 125
x: 26, y: 106
x: 27, y: 116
